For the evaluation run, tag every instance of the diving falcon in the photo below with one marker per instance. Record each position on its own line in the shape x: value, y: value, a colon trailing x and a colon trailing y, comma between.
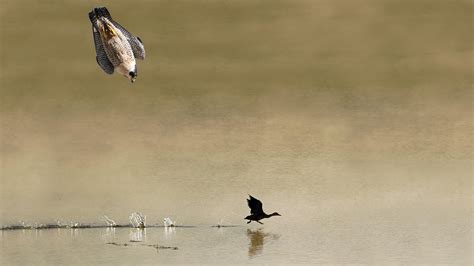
x: 116, y: 48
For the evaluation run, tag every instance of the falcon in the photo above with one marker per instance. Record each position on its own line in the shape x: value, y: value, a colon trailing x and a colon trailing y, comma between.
x: 116, y: 48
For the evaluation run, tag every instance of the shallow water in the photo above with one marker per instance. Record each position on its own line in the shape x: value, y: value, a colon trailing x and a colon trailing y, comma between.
x: 329, y: 243
x: 351, y: 118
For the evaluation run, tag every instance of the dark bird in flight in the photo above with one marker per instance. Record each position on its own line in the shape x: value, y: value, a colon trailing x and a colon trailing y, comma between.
x: 256, y: 211
x: 116, y: 48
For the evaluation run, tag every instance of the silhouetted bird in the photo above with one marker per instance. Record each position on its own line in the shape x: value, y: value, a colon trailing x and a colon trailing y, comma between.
x: 256, y: 211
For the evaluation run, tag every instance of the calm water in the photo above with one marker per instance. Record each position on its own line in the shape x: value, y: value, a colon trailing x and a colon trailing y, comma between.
x: 331, y: 242
x: 203, y: 245
x: 351, y: 118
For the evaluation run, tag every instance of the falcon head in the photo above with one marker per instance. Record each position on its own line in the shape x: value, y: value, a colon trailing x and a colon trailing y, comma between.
x: 132, y: 75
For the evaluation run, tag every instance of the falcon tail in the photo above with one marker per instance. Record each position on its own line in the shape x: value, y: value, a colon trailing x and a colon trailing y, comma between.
x: 102, y: 12
x: 97, y: 13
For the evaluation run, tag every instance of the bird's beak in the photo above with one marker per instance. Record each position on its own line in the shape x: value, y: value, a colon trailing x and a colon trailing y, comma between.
x: 133, y: 79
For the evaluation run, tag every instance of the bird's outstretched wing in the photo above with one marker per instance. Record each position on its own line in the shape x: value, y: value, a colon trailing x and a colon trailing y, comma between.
x: 256, y: 206
x: 101, y: 56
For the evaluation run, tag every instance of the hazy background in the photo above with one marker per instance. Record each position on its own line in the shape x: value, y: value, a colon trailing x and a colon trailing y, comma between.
x: 357, y: 112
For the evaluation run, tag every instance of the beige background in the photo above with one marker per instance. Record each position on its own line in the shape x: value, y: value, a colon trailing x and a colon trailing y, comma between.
x: 359, y: 109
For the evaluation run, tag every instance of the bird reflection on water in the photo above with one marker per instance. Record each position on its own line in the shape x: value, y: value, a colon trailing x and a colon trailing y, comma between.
x: 257, y: 239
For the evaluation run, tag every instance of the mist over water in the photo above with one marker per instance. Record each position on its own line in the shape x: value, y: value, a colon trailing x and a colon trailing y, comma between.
x: 352, y: 119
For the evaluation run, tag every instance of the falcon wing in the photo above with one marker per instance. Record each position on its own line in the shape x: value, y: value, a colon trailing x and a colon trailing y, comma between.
x: 101, y: 56
x: 256, y: 206
x: 135, y: 42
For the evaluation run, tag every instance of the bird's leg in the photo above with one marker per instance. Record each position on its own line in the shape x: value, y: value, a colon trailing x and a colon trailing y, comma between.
x: 249, y: 222
x: 259, y: 222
